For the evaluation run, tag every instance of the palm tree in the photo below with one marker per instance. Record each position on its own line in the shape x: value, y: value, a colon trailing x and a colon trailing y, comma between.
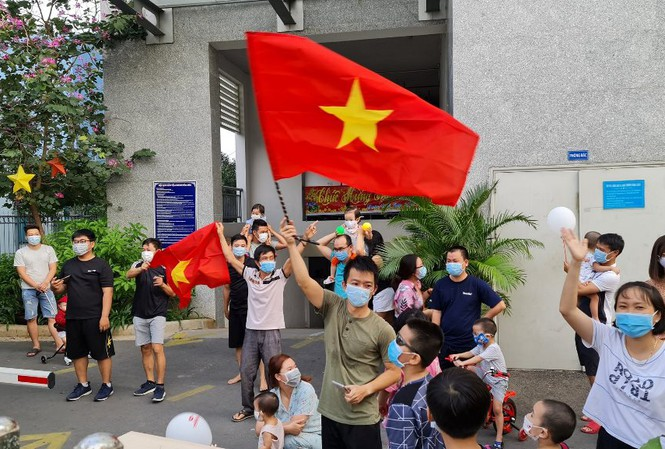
x: 433, y: 229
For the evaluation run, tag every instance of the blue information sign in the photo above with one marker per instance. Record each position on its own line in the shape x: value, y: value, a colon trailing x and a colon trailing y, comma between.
x: 175, y: 211
x: 580, y: 155
x: 623, y: 194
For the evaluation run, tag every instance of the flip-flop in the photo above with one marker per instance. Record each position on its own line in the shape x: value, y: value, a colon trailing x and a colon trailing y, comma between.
x: 241, y: 416
x: 591, y: 428
x: 33, y: 352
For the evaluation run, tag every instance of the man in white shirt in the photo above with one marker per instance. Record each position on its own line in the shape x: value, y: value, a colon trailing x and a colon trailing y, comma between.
x: 265, y: 312
x: 36, y: 265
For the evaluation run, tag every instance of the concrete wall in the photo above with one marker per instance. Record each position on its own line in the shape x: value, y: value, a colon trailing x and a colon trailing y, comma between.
x: 164, y: 97
x: 538, y: 78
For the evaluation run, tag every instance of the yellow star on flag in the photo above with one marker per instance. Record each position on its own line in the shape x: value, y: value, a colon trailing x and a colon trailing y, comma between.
x: 21, y: 180
x: 178, y: 272
x: 359, y: 122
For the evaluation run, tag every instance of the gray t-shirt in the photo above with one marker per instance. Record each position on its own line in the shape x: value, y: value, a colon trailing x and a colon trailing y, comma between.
x: 356, y: 353
x: 36, y: 262
x: 492, y: 358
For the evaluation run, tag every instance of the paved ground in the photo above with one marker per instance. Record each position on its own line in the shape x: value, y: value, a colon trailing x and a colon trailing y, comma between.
x: 199, y: 363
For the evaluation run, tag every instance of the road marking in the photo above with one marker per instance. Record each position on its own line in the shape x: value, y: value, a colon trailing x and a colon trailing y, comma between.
x: 308, y: 341
x: 190, y: 393
x: 45, y: 440
x: 181, y: 341
x: 71, y: 370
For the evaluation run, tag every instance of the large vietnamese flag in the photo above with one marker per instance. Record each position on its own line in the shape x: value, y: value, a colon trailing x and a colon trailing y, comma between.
x: 323, y: 113
x: 195, y: 260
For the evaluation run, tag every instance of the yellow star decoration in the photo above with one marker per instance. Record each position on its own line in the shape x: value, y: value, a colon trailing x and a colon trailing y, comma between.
x: 359, y: 123
x: 21, y: 180
x: 178, y: 272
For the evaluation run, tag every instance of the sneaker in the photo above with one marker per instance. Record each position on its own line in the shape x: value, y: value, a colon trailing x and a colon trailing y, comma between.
x: 68, y: 361
x: 147, y: 387
x: 79, y: 392
x: 497, y: 445
x: 159, y: 395
x: 104, y: 393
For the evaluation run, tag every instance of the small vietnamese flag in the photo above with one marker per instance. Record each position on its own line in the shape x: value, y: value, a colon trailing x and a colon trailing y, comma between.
x: 323, y: 113
x: 195, y: 260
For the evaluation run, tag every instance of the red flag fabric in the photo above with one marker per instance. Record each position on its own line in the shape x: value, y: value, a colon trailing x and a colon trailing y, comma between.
x: 195, y: 260
x: 323, y: 113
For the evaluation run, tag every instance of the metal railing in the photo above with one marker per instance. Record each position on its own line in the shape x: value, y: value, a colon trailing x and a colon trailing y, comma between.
x: 12, y: 229
x: 231, y: 204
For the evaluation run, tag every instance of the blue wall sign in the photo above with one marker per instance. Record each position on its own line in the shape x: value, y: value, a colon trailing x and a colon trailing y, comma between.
x: 175, y: 211
x: 623, y: 194
x: 581, y: 155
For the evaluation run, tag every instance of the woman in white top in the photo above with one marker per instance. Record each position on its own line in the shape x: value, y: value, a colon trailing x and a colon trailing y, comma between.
x: 628, y: 396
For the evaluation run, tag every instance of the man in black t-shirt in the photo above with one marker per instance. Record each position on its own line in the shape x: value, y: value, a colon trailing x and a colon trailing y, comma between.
x: 235, y: 302
x: 88, y: 281
x: 151, y: 301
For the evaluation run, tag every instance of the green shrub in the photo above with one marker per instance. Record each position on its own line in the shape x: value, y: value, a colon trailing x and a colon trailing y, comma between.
x: 120, y: 247
x: 10, y: 290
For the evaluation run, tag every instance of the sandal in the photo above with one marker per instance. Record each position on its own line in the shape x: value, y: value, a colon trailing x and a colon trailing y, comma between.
x: 242, y: 415
x: 585, y: 418
x: 33, y: 352
x: 591, y: 428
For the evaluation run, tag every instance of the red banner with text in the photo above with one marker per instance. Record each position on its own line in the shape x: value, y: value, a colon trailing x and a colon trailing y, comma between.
x: 321, y: 201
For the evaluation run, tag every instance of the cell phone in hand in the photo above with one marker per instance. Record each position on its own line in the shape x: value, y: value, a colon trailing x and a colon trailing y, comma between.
x: 64, y: 278
x: 340, y: 386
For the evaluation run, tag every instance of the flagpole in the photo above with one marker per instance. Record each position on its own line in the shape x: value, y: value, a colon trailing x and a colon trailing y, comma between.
x: 286, y: 214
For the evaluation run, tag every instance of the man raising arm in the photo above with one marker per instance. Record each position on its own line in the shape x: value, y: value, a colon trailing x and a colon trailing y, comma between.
x: 356, y: 345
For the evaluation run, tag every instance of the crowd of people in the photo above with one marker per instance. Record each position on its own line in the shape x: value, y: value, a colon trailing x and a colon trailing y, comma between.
x: 421, y: 363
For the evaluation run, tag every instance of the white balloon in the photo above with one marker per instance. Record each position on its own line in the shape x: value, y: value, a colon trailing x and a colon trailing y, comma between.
x: 190, y: 427
x: 561, y: 217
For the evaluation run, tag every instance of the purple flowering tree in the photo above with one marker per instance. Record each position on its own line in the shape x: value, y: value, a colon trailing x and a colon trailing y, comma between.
x: 51, y: 104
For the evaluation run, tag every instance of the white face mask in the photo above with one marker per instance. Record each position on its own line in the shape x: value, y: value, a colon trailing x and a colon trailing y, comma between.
x: 34, y: 239
x: 527, y: 426
x: 147, y: 256
x: 256, y: 216
x: 263, y: 237
x: 351, y: 224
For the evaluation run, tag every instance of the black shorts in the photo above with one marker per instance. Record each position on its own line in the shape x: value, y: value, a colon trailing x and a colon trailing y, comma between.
x: 84, y: 337
x: 588, y: 357
x: 335, y: 435
x: 237, y: 323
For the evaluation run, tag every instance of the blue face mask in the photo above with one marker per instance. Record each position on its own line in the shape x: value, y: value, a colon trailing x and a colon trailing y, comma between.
x: 394, y: 351
x: 599, y: 256
x: 421, y: 272
x: 268, y: 266
x: 481, y: 339
x: 239, y: 251
x: 341, y: 255
x: 454, y: 268
x: 635, y: 325
x: 357, y: 296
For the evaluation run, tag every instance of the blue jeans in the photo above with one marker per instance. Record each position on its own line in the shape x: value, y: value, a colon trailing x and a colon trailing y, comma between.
x: 33, y: 298
x: 258, y: 345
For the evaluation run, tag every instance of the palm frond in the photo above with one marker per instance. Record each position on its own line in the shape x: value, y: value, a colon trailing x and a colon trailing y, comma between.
x: 431, y: 230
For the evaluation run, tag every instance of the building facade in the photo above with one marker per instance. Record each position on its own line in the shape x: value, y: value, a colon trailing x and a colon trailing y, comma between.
x: 541, y: 82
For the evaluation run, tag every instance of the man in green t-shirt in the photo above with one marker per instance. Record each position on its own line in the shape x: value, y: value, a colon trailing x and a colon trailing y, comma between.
x: 356, y: 344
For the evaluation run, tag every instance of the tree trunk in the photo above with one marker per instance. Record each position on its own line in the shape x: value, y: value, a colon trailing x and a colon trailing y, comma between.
x: 34, y: 211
